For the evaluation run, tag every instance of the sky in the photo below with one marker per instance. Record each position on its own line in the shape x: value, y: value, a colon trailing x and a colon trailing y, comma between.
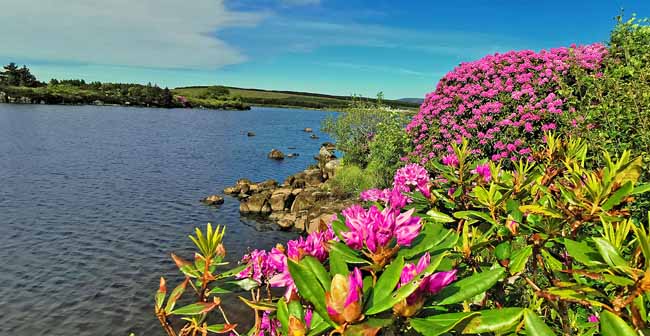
x: 338, y: 47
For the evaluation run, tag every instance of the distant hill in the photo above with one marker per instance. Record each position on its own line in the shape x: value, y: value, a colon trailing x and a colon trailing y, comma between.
x: 418, y: 101
x: 288, y: 98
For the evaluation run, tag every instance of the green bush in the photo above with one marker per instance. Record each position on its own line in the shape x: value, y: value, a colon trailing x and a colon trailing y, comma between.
x: 614, y: 105
x: 388, y: 146
x: 350, y: 180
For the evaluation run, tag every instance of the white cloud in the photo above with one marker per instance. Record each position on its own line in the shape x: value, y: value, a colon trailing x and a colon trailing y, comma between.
x: 144, y: 33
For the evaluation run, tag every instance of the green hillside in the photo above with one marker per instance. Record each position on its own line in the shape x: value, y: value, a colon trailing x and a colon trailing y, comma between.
x: 283, y: 98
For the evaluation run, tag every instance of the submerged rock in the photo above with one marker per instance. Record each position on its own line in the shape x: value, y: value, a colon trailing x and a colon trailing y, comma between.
x: 250, y: 134
x: 276, y: 155
x: 213, y: 200
x: 308, y: 129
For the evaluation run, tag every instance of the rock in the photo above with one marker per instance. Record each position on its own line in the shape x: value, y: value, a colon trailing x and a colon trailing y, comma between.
x: 287, y: 221
x: 313, y: 136
x: 313, y: 177
x: 257, y: 203
x: 303, y: 201
x: 250, y: 134
x: 287, y: 147
x: 330, y: 168
x: 280, y: 198
x: 329, y: 146
x: 319, y: 223
x: 300, y: 222
x: 213, y: 200
x: 244, y: 188
x: 276, y: 155
x: 231, y: 190
x: 291, y: 155
x: 308, y: 129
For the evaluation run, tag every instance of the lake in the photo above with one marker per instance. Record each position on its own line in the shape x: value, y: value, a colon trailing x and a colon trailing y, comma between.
x: 94, y: 199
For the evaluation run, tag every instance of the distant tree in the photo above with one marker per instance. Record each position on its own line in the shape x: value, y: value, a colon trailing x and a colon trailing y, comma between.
x: 25, y: 77
x: 167, y: 98
x: 11, y: 74
x: 54, y: 81
x: 217, y: 92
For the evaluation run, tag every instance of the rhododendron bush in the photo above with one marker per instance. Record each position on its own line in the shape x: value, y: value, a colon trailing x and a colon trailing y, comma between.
x: 545, y: 247
x: 502, y: 103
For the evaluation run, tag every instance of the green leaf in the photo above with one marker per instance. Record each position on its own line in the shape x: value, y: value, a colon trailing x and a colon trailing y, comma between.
x: 233, y: 271
x: 610, y: 254
x: 475, y: 215
x: 438, y: 324
x: 540, y: 210
x: 431, y: 236
x: 283, y: 315
x: 535, y: 326
x: 406, y: 290
x: 195, y: 308
x: 495, y: 320
x: 337, y: 264
x: 349, y: 255
x: 439, y: 217
x: 519, y: 259
x: 175, y: 295
x: 641, y: 189
x: 582, y: 252
x: 309, y: 287
x: 618, y: 196
x: 469, y: 287
x: 503, y: 251
x: 318, y: 326
x: 318, y: 269
x: 221, y: 328
x: 612, y: 325
x: 264, y: 306
x: 387, y: 281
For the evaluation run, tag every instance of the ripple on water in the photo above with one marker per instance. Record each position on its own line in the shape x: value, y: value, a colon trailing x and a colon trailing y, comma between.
x: 93, y: 200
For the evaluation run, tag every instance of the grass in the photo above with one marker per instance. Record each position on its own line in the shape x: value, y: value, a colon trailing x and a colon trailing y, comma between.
x: 288, y: 98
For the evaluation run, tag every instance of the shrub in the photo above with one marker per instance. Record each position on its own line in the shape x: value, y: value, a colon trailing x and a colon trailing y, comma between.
x: 350, y: 180
x: 353, y: 128
x: 547, y: 247
x: 502, y: 103
x: 387, y: 147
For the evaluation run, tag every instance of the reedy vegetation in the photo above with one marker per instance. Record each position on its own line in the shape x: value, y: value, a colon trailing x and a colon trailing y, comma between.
x: 543, y: 243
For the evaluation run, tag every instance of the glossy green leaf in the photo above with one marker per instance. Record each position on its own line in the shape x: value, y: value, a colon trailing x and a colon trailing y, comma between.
x: 283, y: 315
x: 318, y: 269
x: 612, y: 325
x: 469, y: 287
x: 337, y: 264
x: 475, y: 215
x: 261, y: 305
x: 439, y: 217
x: 432, y: 237
x: 583, y: 252
x: 387, y: 281
x: 495, y: 320
x: 618, y: 196
x: 309, y: 287
x: 609, y: 253
x: 535, y: 326
x: 438, y: 324
x: 541, y: 210
x: 519, y: 259
x: 175, y: 295
x: 349, y: 255
x: 503, y: 251
x: 195, y: 308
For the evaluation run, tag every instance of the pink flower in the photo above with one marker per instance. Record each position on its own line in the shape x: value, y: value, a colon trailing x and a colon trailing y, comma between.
x: 593, y: 319
x: 374, y: 195
x: 484, y: 171
x: 450, y: 160
x: 412, y: 175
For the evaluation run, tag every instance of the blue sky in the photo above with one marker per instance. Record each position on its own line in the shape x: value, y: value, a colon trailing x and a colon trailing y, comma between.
x: 331, y: 46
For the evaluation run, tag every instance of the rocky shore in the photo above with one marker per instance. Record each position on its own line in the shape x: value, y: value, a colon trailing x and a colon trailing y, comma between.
x: 299, y: 203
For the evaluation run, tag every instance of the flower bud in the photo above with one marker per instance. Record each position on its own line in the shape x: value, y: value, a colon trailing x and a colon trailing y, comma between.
x: 344, y: 300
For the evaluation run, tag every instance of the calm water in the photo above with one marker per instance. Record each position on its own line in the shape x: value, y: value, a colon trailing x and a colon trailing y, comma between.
x: 93, y: 200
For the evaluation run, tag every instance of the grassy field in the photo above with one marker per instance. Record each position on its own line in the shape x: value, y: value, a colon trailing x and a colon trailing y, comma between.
x: 288, y: 98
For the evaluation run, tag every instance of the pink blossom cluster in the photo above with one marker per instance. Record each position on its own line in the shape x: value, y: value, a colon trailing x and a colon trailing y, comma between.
x: 501, y: 103
x: 375, y: 229
x: 271, y: 267
x: 412, y: 177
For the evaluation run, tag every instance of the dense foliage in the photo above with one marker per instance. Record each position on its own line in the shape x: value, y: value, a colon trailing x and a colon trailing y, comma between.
x: 545, y: 248
x: 372, y: 139
x: 19, y: 83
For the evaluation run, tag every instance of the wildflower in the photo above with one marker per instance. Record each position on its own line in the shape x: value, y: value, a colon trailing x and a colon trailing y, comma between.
x: 269, y: 326
x: 484, y: 171
x: 344, y: 299
x: 430, y: 285
x: 412, y: 175
x: 450, y: 160
x: 593, y: 319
